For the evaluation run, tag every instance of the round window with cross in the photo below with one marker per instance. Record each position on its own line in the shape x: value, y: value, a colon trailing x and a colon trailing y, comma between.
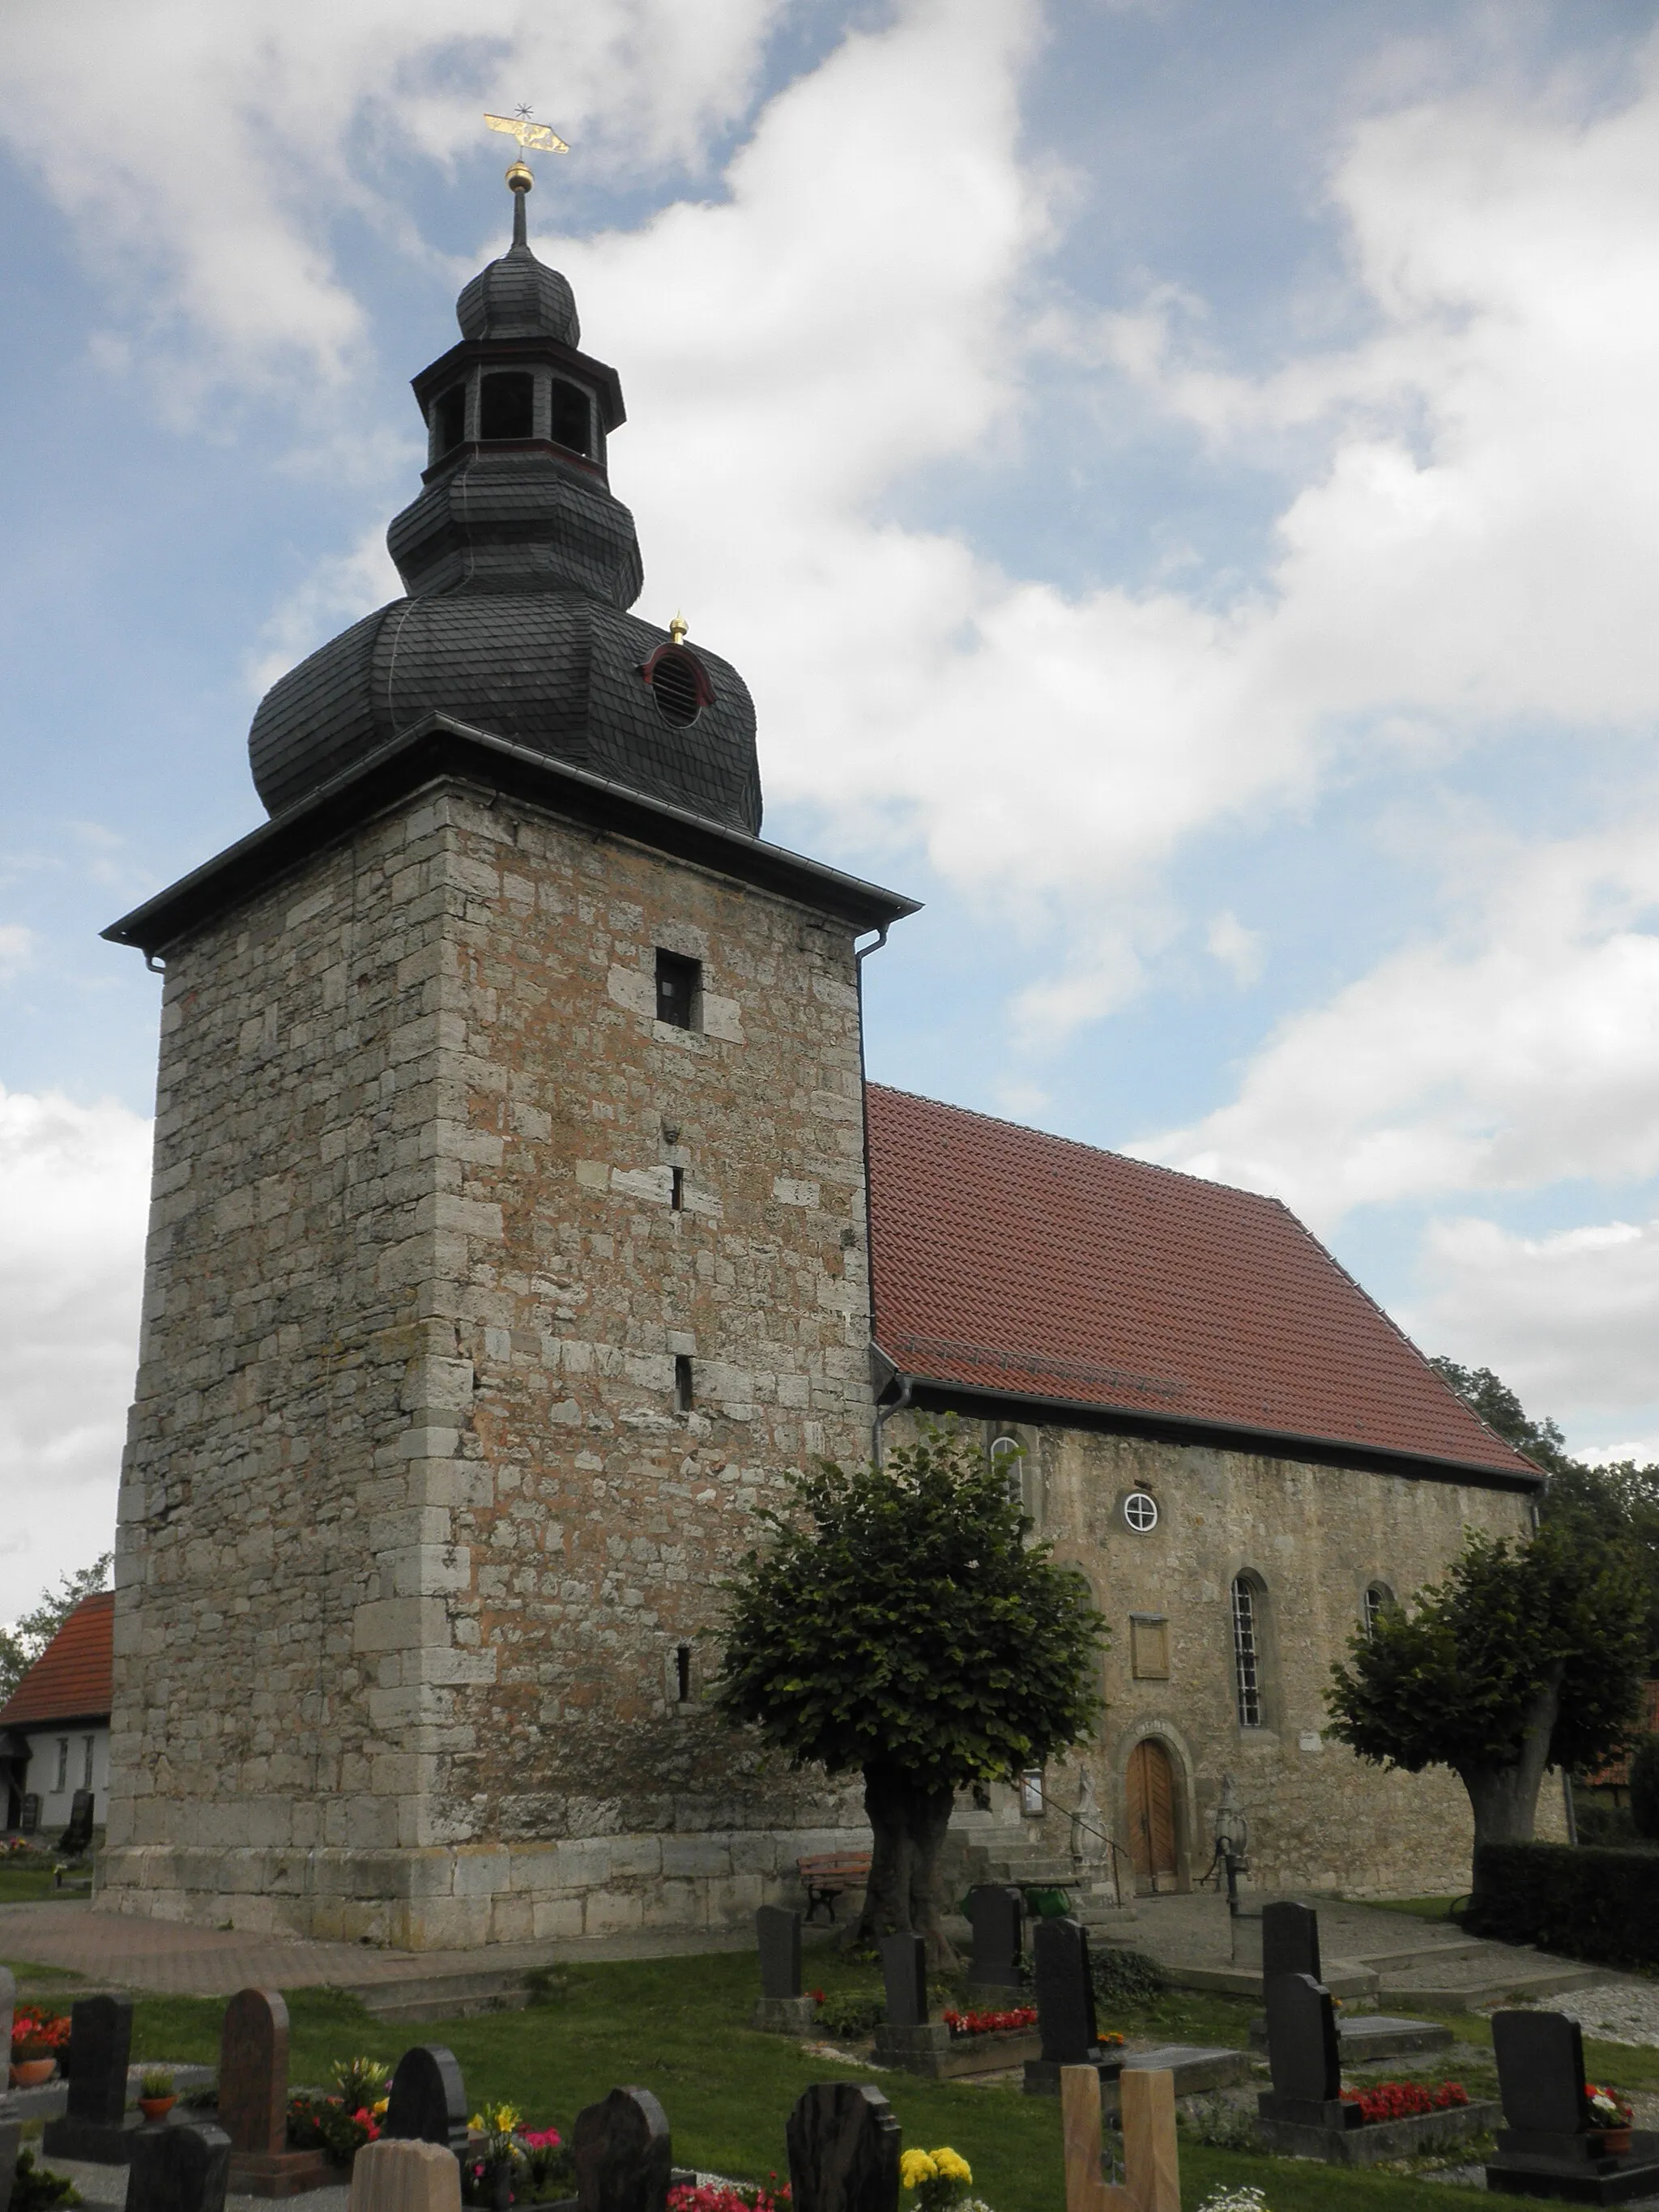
x: 1140, y: 1511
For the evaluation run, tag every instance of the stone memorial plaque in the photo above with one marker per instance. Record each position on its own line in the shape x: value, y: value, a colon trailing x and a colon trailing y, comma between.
x: 1301, y: 2047
x: 904, y: 1970
x: 179, y: 2169
x: 99, y: 2052
x: 777, y: 1933
x: 1290, y: 1941
x: 427, y: 2102
x: 1540, y: 2072
x: 843, y: 2144
x: 997, y: 1914
x: 623, y: 2154
x: 1065, y: 1992
x: 253, y: 2071
x: 404, y: 2177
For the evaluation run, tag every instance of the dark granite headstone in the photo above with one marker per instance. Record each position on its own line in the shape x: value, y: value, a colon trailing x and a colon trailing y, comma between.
x: 427, y: 2103
x: 178, y: 2169
x: 843, y: 2145
x: 1552, y: 2146
x: 1290, y: 1941
x: 1065, y: 1992
x: 1304, y: 2056
x: 76, y: 1838
x: 11, y: 2142
x: 253, y: 2071
x: 28, y: 1818
x: 997, y: 1914
x: 95, y: 2126
x: 623, y: 2154
x: 904, y: 1970
x: 777, y: 1932
x: 1540, y: 2072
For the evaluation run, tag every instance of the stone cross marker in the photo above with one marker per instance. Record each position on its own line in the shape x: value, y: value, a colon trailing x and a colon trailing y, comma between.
x: 1290, y: 1941
x: 1065, y: 1992
x: 427, y: 2102
x: 1304, y: 2056
x: 392, y: 2176
x: 998, y: 1915
x: 95, y: 2126
x: 1540, y: 2072
x: 843, y: 2145
x: 179, y: 2169
x: 777, y: 1933
x: 904, y: 1970
x: 623, y: 2154
x: 1152, y: 2158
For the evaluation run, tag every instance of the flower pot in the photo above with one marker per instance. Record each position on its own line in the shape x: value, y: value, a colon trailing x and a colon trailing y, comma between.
x: 156, y: 2108
x: 1616, y: 2142
x: 30, y: 2073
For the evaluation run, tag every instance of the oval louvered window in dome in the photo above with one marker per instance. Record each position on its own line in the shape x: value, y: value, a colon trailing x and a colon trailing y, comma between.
x: 679, y: 684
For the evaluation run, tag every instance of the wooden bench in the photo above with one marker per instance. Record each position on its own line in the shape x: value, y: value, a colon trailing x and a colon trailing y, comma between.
x: 829, y: 1875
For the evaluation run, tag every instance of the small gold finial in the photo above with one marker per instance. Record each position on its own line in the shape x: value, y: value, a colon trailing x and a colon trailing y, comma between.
x: 519, y: 177
x: 677, y: 631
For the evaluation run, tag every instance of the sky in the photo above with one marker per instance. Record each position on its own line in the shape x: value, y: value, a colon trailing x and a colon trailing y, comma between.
x: 1181, y: 481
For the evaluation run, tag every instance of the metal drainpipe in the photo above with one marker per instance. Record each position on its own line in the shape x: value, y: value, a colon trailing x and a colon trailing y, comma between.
x: 884, y: 1414
x: 860, y: 956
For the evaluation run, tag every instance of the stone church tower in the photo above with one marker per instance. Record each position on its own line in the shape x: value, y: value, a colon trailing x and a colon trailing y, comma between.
x: 509, y: 1236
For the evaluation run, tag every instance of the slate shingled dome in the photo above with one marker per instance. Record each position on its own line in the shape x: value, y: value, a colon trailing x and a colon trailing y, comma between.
x: 519, y: 565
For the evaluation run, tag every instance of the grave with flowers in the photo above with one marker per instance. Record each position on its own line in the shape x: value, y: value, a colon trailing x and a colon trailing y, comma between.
x: 1565, y: 2137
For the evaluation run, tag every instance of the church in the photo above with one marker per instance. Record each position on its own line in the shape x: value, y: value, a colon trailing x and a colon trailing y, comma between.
x: 522, y: 1218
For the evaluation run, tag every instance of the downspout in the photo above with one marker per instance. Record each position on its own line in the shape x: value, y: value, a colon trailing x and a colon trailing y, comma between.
x: 860, y: 954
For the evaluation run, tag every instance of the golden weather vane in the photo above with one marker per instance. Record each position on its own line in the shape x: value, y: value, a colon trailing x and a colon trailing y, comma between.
x: 536, y: 137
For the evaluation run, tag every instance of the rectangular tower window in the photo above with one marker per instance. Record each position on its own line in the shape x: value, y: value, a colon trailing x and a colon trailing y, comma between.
x: 506, y: 404
x: 86, y: 1742
x: 571, y: 419
x: 448, y: 421
x: 1247, y: 1655
x: 677, y: 1191
x: 62, y: 1782
x: 679, y: 990
x: 682, y: 1398
x: 683, y: 1672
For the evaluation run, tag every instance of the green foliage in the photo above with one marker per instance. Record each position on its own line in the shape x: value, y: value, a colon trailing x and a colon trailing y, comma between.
x: 1598, y: 1823
x: 900, y: 1619
x: 1452, y: 1679
x: 851, y: 2016
x: 37, y: 2189
x: 1502, y: 1411
x: 156, y: 2082
x: 1591, y: 1904
x: 21, y: 1644
x: 358, y: 2081
x: 1644, y: 1787
x: 325, y: 2123
x: 1124, y: 1978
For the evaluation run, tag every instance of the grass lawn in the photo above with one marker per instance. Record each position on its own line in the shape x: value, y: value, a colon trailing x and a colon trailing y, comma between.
x: 676, y: 2026
x: 1420, y: 1908
x: 25, y: 1885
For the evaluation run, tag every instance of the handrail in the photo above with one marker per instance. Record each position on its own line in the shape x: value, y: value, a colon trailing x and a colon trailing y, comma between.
x: 1100, y: 1835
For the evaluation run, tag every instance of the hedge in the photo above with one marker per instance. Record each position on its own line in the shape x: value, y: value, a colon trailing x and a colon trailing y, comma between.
x: 1596, y: 1904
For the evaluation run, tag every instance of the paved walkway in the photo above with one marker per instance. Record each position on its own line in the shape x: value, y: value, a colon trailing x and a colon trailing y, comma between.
x: 114, y: 1949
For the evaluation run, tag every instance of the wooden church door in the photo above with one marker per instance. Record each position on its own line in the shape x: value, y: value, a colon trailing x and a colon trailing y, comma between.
x: 1151, y: 1815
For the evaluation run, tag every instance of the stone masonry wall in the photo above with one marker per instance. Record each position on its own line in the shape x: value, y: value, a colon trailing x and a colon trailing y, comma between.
x: 1314, y: 1537
x: 416, y: 1549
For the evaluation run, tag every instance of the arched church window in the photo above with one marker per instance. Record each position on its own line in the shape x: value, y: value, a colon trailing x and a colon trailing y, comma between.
x: 1378, y: 1598
x: 1006, y: 1462
x: 506, y: 404
x: 448, y: 420
x: 571, y: 423
x: 1247, y: 1650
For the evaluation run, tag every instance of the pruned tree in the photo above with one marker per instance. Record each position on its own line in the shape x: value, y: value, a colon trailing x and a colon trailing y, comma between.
x: 1526, y: 1655
x: 899, y: 1623
x: 21, y: 1644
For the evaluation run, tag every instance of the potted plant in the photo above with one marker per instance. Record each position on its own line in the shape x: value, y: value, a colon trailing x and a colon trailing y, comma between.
x: 496, y: 2155
x: 155, y: 2097
x: 1611, y: 2117
x: 37, y: 2041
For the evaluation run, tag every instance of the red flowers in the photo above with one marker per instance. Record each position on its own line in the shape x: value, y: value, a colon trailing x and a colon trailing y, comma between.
x: 40, y: 2032
x: 1404, y: 2100
x: 990, y: 2023
x: 711, y: 2197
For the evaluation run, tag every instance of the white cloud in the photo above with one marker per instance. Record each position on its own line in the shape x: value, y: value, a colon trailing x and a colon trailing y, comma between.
x: 73, y: 1194
x: 17, y: 945
x: 1240, y: 950
x: 335, y: 594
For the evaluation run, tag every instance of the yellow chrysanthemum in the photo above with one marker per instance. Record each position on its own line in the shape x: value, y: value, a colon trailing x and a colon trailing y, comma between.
x: 951, y: 2166
x: 915, y: 2167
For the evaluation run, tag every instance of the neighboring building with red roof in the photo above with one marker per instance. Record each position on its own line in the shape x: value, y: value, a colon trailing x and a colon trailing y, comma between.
x: 1238, y: 1447
x: 54, y: 1727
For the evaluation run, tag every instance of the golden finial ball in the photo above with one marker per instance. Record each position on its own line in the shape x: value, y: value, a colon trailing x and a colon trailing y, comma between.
x: 518, y: 178
x: 677, y: 629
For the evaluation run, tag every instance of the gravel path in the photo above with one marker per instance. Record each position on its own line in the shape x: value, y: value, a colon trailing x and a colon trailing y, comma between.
x: 1614, y: 2012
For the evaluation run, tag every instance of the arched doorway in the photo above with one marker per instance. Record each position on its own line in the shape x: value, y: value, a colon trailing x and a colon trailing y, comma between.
x: 1152, y: 1792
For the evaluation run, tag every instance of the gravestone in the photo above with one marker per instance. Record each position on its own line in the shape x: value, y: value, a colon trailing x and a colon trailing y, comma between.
x: 28, y: 1818
x: 96, y: 2125
x: 1152, y: 2158
x: 843, y: 2145
x: 8, y: 2001
x: 622, y: 2153
x: 77, y: 1839
x: 11, y: 2142
x: 1551, y: 2147
x: 395, y: 2176
x: 1290, y: 1941
x: 427, y: 2103
x: 253, y: 2101
x: 907, y: 2037
x: 996, y: 1913
x: 1304, y: 2057
x: 782, y: 2010
x: 178, y: 2169
x: 1065, y: 1993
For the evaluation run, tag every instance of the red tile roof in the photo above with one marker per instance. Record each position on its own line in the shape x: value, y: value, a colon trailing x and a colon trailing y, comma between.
x: 1028, y: 1266
x: 70, y: 1679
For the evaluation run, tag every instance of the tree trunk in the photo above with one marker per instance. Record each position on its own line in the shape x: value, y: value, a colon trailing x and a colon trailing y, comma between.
x: 907, y: 1823
x: 1505, y: 1799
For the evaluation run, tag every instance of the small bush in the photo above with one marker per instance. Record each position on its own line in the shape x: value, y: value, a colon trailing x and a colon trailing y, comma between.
x: 851, y: 2016
x: 36, y: 2188
x: 1591, y: 1902
x: 1221, y: 2125
x: 1644, y: 1787
x: 1123, y: 1978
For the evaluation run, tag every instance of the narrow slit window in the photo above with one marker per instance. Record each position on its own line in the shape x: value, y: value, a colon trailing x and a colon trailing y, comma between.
x: 1006, y: 1461
x: 679, y: 991
x: 683, y: 1400
x: 572, y: 421
x: 683, y: 1672
x: 1247, y: 1654
x: 677, y: 1191
x: 62, y: 1782
x: 506, y: 404
x: 1378, y: 1598
x: 86, y: 1743
x: 449, y: 420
